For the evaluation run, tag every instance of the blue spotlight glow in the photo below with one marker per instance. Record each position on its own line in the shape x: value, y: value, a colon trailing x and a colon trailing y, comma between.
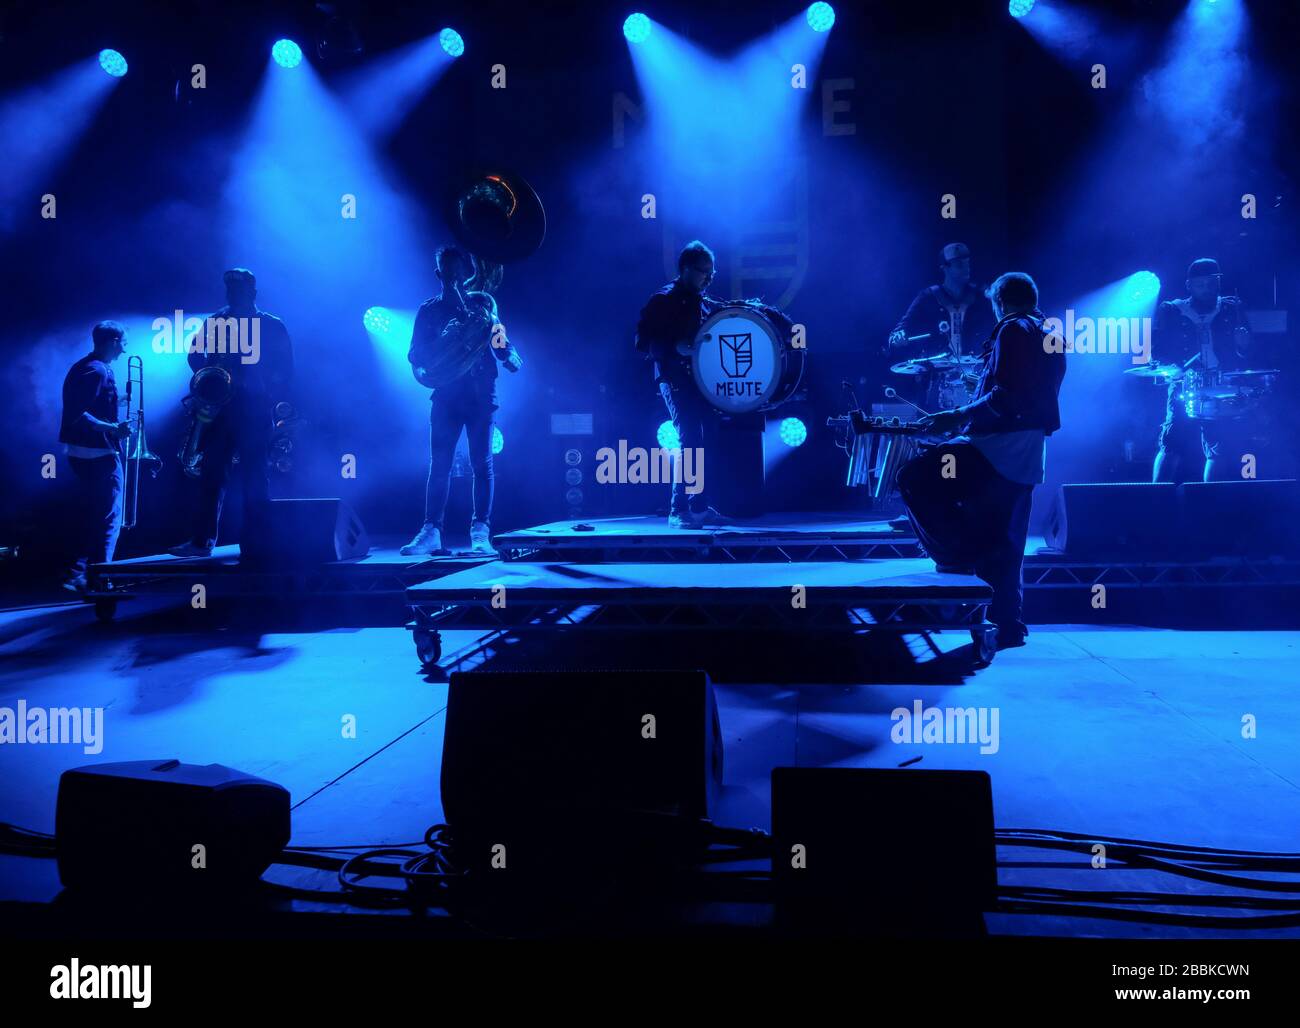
x: 452, y: 44
x: 1019, y: 8
x: 636, y: 28
x: 286, y: 53
x: 498, y: 440
x: 667, y: 437
x: 378, y: 321
x: 793, y: 432
x: 1143, y: 286
x: 821, y: 16
x: 113, y: 63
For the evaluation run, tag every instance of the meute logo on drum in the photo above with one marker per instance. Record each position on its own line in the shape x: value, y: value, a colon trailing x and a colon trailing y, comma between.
x: 736, y: 354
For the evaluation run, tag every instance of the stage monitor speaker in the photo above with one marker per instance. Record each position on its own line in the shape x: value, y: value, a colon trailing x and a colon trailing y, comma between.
x: 1121, y: 520
x: 305, y: 533
x: 138, y: 823
x: 883, y: 851
x: 542, y: 762
x: 1161, y: 521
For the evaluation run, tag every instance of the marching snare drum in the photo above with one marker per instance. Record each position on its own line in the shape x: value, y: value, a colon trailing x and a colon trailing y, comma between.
x: 743, y: 359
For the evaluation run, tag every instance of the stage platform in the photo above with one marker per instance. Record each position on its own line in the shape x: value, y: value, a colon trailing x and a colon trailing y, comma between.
x: 772, y: 537
x: 854, y: 597
x: 382, y: 572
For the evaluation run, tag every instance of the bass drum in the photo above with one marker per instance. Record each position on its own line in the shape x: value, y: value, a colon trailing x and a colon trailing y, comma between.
x: 743, y: 360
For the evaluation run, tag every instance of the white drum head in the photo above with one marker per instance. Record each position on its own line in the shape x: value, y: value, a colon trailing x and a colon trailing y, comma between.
x: 737, y: 360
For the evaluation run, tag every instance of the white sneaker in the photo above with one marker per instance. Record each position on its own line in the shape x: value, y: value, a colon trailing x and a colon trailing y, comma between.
x: 427, y: 540
x: 708, y: 517
x: 480, y: 539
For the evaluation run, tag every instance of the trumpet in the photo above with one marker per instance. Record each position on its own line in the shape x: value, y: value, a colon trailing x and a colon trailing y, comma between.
x: 137, y: 446
x: 210, y: 390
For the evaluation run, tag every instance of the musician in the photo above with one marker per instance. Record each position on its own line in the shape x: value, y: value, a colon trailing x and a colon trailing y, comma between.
x: 458, y: 315
x: 254, y: 347
x: 90, y: 433
x: 1207, y: 332
x: 667, y: 328
x: 972, y: 513
x: 950, y: 316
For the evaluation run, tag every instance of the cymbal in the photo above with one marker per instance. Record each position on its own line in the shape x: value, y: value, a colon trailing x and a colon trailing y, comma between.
x: 1258, y: 373
x: 939, y: 362
x: 1155, y: 370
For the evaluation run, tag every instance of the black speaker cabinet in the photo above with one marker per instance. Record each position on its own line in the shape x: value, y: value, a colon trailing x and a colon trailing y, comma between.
x: 536, y: 761
x: 883, y: 851
x: 138, y: 823
x: 305, y: 533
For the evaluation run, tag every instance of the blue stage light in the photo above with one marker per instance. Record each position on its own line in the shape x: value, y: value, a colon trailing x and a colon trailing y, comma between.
x: 821, y: 16
x: 1145, y: 285
x: 498, y: 440
x: 113, y: 63
x: 1019, y: 8
x: 452, y: 44
x: 667, y: 437
x: 378, y: 321
x: 793, y: 432
x: 636, y: 28
x: 287, y: 53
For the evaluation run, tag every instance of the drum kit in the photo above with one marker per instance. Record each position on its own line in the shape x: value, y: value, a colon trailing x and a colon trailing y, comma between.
x: 1211, y: 394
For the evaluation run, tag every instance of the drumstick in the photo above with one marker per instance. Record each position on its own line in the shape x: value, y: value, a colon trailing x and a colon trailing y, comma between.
x: 892, y: 393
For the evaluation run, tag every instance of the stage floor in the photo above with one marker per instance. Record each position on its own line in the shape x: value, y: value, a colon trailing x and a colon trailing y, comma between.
x: 1118, y: 732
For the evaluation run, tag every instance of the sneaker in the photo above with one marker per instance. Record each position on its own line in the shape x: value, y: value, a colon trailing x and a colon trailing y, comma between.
x: 676, y: 520
x: 428, y: 540
x: 190, y: 549
x: 1011, y: 636
x: 480, y: 539
x: 75, y: 583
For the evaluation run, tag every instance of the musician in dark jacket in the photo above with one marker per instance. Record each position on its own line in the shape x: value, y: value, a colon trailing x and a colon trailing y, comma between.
x: 254, y: 347
x: 91, y: 433
x: 1206, y: 332
x: 448, y: 329
x: 668, y: 325
x: 969, y: 498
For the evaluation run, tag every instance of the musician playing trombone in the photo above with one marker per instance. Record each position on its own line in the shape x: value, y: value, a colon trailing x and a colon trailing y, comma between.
x: 460, y: 318
x: 90, y: 432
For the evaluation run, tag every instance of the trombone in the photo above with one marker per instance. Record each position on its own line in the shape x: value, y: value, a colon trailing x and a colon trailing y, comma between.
x: 137, y: 447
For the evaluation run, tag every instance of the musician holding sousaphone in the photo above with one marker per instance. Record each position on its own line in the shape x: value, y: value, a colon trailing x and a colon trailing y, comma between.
x: 458, y: 343
x: 244, y: 354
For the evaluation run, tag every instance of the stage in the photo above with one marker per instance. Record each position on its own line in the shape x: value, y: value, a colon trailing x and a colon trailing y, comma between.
x: 1131, y: 733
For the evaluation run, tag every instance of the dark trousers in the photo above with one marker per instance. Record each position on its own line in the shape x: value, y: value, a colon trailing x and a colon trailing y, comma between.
x: 99, y: 509
x: 245, y: 431
x: 447, y: 419
x: 692, y: 417
x: 1206, y: 451
x: 976, y: 519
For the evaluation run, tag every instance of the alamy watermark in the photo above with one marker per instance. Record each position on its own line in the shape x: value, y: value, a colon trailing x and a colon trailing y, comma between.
x: 952, y: 725
x: 637, y: 465
x: 179, y: 334
x: 1085, y: 334
x: 76, y: 726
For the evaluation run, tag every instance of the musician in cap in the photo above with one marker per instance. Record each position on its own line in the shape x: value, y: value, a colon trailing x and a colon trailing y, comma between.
x: 969, y: 498
x: 1205, y: 332
x: 665, y: 333
x: 253, y: 347
x: 91, y: 430
x: 456, y: 347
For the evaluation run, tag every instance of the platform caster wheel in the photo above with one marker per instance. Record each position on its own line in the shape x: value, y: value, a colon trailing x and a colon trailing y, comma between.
x: 986, y: 645
x: 105, y: 610
x: 428, y: 647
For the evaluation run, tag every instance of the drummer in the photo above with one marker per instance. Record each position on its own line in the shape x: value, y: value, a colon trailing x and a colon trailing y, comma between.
x: 665, y: 332
x: 1207, y: 332
x: 948, y: 319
